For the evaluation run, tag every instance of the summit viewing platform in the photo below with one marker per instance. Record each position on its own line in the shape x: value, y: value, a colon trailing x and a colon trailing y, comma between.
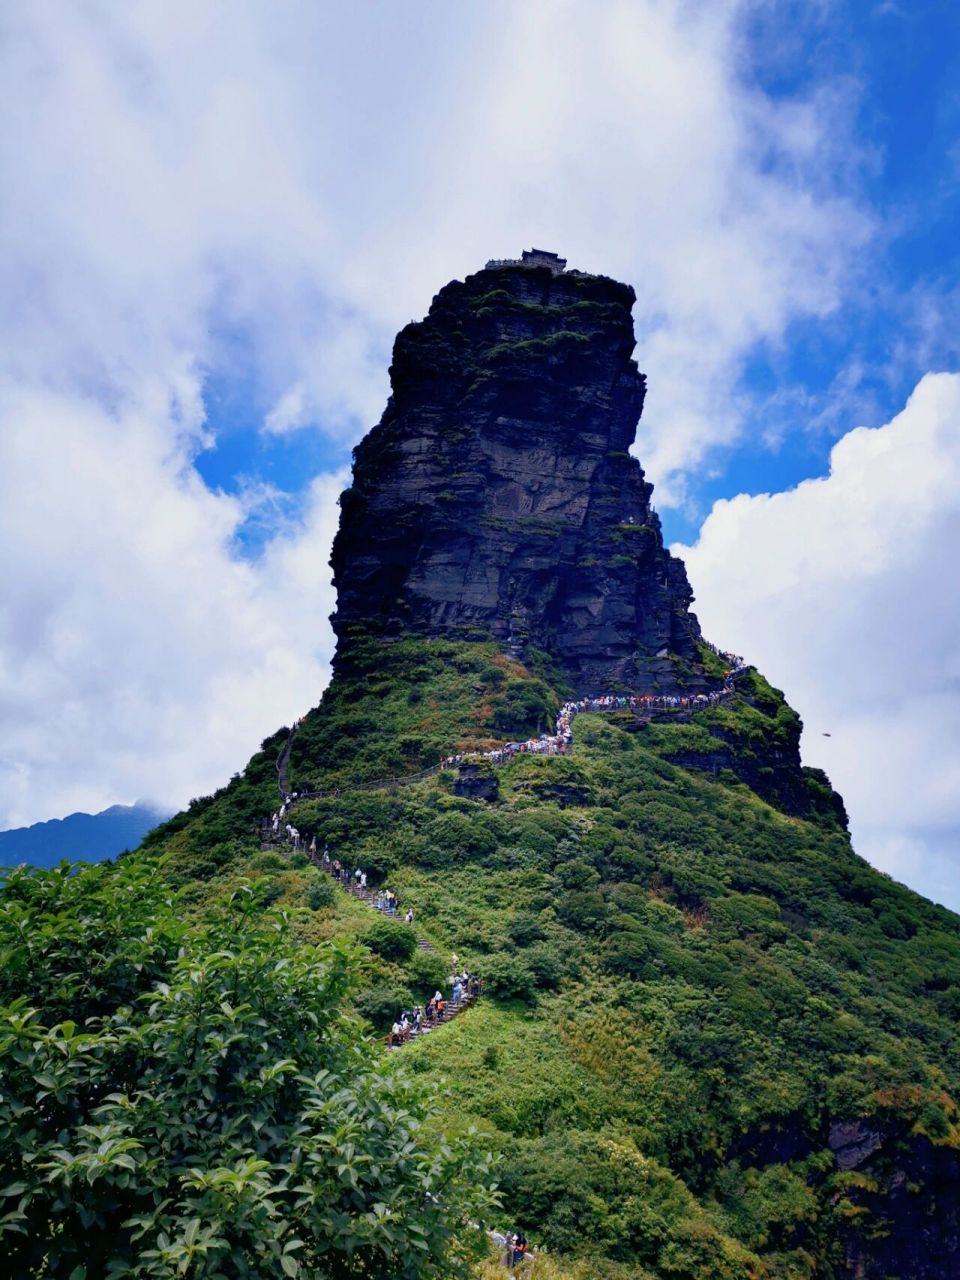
x: 532, y: 258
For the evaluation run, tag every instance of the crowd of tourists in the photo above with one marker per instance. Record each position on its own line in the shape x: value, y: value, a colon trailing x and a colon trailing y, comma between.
x: 413, y: 1022
x: 384, y: 900
x: 294, y: 837
x: 557, y: 743
x: 560, y: 741
x: 465, y: 986
x: 278, y: 817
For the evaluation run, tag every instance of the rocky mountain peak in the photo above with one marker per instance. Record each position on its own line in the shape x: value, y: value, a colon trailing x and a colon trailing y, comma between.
x: 497, y: 498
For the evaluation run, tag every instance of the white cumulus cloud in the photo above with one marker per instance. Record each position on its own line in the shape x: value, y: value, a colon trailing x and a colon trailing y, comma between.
x: 139, y: 655
x: 843, y: 592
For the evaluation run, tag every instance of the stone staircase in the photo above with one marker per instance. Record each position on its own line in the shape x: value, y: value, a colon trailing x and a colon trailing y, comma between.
x: 656, y: 710
x: 450, y: 1011
x: 369, y: 897
x: 270, y: 841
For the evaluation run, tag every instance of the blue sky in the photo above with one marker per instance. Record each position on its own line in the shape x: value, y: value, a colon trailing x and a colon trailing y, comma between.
x: 218, y: 216
x: 897, y: 71
x: 894, y: 74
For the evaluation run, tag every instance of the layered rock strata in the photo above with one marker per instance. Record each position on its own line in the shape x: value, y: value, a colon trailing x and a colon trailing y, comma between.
x: 497, y: 497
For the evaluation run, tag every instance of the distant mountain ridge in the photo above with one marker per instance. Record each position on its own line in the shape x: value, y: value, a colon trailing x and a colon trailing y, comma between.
x: 86, y: 837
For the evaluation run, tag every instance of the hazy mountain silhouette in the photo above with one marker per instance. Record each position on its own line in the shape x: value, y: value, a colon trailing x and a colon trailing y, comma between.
x: 84, y: 837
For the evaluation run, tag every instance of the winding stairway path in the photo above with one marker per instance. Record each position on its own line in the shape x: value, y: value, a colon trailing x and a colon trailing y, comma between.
x: 450, y: 1010
x: 644, y: 706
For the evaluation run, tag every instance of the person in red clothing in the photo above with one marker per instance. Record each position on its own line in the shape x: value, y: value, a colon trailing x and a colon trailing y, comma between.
x: 520, y: 1247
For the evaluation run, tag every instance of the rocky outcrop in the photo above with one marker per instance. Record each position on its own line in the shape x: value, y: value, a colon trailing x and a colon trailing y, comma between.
x: 852, y: 1142
x: 770, y: 765
x: 476, y: 782
x: 905, y: 1195
x: 497, y: 498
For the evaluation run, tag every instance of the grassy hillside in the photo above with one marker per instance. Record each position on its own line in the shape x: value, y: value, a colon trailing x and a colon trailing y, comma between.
x: 688, y: 984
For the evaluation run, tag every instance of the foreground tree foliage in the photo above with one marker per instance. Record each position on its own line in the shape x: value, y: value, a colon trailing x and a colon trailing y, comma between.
x: 183, y: 1100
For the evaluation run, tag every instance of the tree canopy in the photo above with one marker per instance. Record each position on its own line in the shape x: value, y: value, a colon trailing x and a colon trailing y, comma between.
x: 190, y: 1099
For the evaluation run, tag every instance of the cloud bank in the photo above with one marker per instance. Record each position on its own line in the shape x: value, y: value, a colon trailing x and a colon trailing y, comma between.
x: 204, y: 194
x: 843, y: 591
x: 140, y: 656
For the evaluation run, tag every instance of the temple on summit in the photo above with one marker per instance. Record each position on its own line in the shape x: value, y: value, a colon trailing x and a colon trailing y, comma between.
x: 532, y: 258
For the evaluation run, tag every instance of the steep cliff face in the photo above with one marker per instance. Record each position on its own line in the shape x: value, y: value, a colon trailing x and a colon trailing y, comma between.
x: 497, y: 499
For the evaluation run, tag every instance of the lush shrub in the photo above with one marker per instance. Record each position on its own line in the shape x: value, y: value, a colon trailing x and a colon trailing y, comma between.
x: 767, y: 1206
x: 577, y: 873
x: 454, y: 838
x: 523, y: 709
x: 491, y: 676
x: 584, y: 910
x: 525, y: 927
x: 378, y: 856
x: 349, y: 819
x: 200, y: 861
x: 206, y: 1110
x: 382, y: 1002
x: 628, y: 953
x: 268, y: 862
x: 892, y: 925
x: 533, y: 836
x: 426, y: 972
x: 508, y: 977
x: 391, y: 939
x: 266, y: 890
x: 585, y: 1192
x: 546, y: 964
x: 320, y: 893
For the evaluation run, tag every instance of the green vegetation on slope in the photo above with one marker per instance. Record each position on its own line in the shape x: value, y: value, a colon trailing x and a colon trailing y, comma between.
x: 686, y: 982
x: 403, y: 705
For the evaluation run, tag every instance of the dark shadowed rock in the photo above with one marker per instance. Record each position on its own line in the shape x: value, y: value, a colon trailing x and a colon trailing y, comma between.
x: 852, y: 1142
x: 497, y: 497
x: 905, y: 1193
x: 475, y: 782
